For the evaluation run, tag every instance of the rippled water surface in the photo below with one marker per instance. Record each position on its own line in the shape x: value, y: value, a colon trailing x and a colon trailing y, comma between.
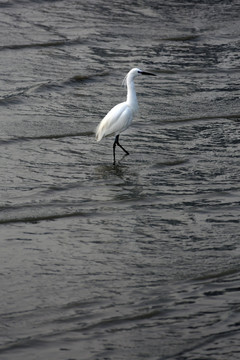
x: 140, y: 260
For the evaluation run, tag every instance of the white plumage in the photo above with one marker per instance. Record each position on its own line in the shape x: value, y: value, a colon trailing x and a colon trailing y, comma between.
x: 120, y: 117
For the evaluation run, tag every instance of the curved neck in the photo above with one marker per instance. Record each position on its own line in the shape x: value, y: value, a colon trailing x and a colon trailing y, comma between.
x: 131, y: 95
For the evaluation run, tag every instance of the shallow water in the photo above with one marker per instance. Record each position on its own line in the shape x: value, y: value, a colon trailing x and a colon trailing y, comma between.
x: 140, y: 260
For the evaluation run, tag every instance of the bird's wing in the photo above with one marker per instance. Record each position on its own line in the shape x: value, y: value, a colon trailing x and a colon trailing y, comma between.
x: 117, y: 120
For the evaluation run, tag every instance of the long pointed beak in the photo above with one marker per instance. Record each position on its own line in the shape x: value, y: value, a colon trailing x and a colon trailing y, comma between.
x: 147, y: 73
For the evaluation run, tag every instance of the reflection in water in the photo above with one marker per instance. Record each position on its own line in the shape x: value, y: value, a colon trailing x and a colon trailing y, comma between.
x: 120, y: 169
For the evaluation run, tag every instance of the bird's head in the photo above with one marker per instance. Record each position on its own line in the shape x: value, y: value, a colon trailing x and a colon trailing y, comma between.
x: 135, y: 72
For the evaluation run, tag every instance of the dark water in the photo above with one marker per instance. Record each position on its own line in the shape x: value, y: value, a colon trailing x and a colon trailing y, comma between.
x: 140, y: 261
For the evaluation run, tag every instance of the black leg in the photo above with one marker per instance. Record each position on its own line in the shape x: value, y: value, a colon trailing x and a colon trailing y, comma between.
x: 116, y: 142
x: 114, y: 147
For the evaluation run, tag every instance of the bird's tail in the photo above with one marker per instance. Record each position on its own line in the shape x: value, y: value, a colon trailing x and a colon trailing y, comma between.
x: 98, y: 133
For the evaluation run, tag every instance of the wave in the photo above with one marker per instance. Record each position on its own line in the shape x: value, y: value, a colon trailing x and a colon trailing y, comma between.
x: 43, y: 217
x: 227, y: 116
x: 36, y: 45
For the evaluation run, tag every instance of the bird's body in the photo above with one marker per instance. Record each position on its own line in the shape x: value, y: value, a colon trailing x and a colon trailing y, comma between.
x: 120, y: 117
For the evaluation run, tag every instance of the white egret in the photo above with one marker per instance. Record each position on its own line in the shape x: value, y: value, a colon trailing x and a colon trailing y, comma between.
x: 120, y: 117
